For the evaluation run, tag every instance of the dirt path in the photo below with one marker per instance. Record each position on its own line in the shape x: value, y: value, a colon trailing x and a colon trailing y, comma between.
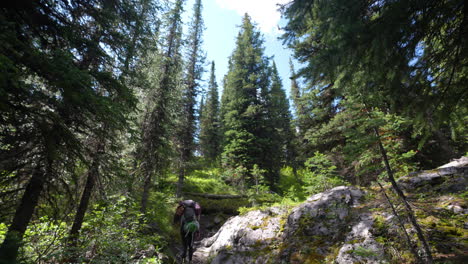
x: 207, y: 229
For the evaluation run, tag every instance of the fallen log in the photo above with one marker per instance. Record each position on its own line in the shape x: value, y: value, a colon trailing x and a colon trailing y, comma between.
x: 216, y: 196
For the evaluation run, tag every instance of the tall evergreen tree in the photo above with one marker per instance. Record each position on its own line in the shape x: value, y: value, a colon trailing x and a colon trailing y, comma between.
x: 244, y: 102
x: 279, y: 120
x: 99, y: 147
x: 185, y: 137
x: 163, y: 76
x: 412, y: 70
x: 52, y: 90
x: 296, y: 94
x: 210, y: 140
x: 357, y: 49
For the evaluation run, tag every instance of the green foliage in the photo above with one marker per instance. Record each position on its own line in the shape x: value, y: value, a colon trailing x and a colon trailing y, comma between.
x: 3, y: 229
x: 236, y: 177
x: 113, y: 233
x: 354, y: 49
x: 254, y: 112
x: 321, y: 175
x: 290, y: 184
x: 207, y: 181
x: 364, y: 252
x: 210, y: 127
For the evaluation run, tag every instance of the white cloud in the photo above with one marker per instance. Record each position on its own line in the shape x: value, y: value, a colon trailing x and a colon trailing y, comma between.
x: 264, y: 12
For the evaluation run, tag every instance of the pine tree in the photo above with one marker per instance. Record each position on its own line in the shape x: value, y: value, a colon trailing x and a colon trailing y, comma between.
x: 53, y: 89
x: 163, y: 76
x: 244, y: 103
x: 279, y: 119
x: 356, y: 47
x: 186, y: 133
x: 410, y: 70
x: 210, y: 140
x: 100, y: 152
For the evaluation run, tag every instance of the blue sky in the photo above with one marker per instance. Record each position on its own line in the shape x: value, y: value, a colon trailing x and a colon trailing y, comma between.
x: 222, y: 18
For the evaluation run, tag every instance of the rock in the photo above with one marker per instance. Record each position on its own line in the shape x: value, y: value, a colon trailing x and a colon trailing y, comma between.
x: 337, y: 227
x: 457, y: 209
x: 443, y: 180
x: 255, y: 237
x: 360, y: 246
x: 461, y: 162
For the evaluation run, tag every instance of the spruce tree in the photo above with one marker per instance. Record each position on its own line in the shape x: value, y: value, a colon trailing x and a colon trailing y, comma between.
x: 279, y: 120
x: 210, y: 140
x: 163, y: 77
x: 53, y: 88
x: 355, y: 54
x: 186, y: 129
x: 356, y: 48
x: 99, y: 148
x: 244, y: 104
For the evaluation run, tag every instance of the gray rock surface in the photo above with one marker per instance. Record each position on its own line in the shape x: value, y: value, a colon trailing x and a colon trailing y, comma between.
x: 335, y: 226
x: 360, y: 246
x: 256, y: 236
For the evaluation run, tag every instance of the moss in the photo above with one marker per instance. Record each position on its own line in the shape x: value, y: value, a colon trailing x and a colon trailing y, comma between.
x: 380, y: 226
x: 228, y: 247
x: 355, y: 241
x: 311, y: 257
x: 381, y: 240
x: 363, y: 252
x: 334, y: 251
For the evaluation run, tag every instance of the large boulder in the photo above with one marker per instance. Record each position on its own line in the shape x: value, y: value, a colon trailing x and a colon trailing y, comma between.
x: 307, y: 233
x: 343, y: 225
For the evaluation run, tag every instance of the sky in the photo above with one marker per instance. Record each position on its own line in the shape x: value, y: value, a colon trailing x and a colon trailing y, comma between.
x: 222, y: 19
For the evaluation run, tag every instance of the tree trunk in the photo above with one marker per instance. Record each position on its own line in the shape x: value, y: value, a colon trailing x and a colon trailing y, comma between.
x: 145, y: 195
x: 84, y: 202
x: 402, y: 196
x: 400, y: 223
x: 24, y: 213
x: 180, y: 182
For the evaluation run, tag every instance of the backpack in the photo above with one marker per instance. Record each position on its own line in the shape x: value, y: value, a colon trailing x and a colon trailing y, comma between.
x: 188, y: 210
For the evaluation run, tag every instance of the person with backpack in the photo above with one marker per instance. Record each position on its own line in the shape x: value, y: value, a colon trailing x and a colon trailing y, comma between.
x: 188, y: 214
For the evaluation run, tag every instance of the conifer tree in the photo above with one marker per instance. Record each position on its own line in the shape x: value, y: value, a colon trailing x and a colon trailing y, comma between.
x: 163, y: 76
x: 244, y: 103
x: 279, y: 120
x: 186, y: 129
x: 53, y: 89
x: 410, y: 70
x: 210, y: 140
x: 100, y: 153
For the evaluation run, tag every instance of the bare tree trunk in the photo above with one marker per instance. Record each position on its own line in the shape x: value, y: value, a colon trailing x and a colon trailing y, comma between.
x: 400, y: 223
x: 23, y: 215
x: 402, y: 196
x: 180, y: 182
x: 93, y: 175
x: 145, y: 195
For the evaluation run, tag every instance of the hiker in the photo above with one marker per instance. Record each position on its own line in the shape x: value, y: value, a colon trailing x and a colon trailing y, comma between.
x: 188, y: 214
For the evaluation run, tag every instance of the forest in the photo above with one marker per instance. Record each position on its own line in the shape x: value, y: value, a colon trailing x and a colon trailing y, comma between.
x: 110, y: 114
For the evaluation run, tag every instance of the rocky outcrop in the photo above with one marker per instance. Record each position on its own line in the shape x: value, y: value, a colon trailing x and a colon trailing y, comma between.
x: 442, y: 180
x: 309, y: 231
x: 346, y: 225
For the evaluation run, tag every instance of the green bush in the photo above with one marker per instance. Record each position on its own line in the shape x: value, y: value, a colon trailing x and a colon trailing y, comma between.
x: 322, y: 174
x: 290, y: 185
x: 207, y: 181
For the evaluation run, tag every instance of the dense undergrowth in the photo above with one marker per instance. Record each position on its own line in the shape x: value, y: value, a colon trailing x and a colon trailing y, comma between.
x: 114, y: 230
